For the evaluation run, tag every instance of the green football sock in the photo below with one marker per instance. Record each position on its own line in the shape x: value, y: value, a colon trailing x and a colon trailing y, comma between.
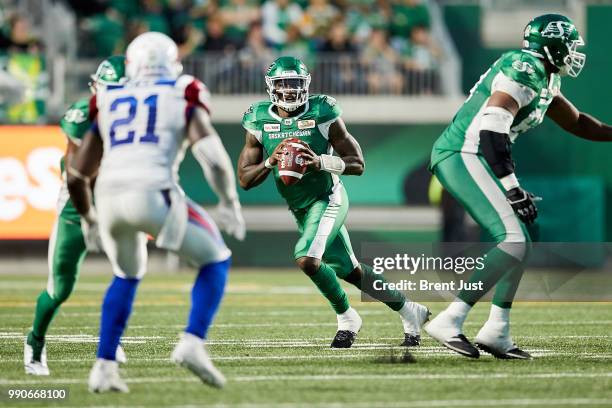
x: 497, y: 262
x: 46, y: 308
x: 507, y: 286
x: 328, y: 284
x: 394, y: 299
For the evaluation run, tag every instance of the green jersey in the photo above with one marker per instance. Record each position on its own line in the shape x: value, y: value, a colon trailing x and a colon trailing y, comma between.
x: 74, y: 124
x: 311, y: 126
x: 517, y: 73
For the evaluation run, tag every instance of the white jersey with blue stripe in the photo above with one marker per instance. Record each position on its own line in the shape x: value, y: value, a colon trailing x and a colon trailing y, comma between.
x: 143, y: 124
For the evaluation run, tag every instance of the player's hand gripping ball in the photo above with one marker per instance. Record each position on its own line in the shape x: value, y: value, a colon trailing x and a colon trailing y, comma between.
x: 291, y: 166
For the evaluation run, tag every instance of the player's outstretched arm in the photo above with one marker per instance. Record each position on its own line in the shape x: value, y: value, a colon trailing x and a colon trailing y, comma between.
x: 81, y: 168
x: 350, y: 157
x: 209, y: 151
x: 580, y: 124
x: 252, y: 169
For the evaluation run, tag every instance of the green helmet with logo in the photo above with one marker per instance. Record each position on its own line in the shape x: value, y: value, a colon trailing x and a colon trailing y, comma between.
x: 287, y: 82
x: 110, y: 71
x: 554, y: 37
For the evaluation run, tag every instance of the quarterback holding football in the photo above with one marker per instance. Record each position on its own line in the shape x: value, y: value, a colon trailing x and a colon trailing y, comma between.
x: 472, y: 159
x: 293, y: 135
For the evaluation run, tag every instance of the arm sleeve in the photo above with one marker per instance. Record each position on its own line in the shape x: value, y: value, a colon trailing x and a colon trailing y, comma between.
x: 494, y: 141
x: 497, y: 151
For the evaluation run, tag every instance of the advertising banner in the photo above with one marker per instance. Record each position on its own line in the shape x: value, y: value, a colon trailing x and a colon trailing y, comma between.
x: 30, y: 180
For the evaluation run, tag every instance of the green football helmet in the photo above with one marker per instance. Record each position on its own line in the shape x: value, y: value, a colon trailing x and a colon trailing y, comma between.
x: 110, y: 71
x: 555, y: 38
x: 287, y: 82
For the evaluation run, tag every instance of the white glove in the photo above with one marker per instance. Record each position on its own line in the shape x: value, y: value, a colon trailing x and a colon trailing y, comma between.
x: 230, y: 219
x: 91, y: 232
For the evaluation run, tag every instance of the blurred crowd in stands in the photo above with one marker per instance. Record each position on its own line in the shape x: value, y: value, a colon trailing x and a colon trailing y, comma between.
x: 364, y: 46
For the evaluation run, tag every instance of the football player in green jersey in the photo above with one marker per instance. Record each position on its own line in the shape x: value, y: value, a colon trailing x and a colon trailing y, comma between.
x: 67, y: 246
x: 318, y: 201
x: 473, y: 161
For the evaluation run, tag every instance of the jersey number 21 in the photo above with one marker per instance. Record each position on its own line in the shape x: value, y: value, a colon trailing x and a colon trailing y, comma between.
x: 118, y: 137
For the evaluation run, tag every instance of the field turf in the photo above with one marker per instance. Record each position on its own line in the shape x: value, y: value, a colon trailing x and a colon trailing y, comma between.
x: 271, y: 339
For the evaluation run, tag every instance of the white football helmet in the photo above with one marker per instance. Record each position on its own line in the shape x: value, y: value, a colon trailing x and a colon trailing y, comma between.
x: 152, y: 55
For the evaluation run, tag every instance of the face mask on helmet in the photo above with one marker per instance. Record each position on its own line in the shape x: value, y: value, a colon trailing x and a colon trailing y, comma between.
x: 568, y: 60
x: 574, y: 61
x: 288, y: 93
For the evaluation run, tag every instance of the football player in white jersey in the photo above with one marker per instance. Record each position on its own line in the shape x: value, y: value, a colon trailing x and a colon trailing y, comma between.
x: 140, y: 130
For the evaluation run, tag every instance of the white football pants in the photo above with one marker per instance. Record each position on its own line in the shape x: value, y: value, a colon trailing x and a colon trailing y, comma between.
x: 126, y: 218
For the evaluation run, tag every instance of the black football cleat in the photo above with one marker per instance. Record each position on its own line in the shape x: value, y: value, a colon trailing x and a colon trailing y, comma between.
x: 411, y: 340
x: 512, y: 354
x: 460, y: 344
x: 343, y: 339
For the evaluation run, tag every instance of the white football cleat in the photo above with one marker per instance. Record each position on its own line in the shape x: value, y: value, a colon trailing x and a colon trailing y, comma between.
x: 447, y: 329
x: 494, y: 338
x: 104, y: 377
x: 414, y: 316
x: 120, y: 355
x: 34, y: 367
x: 191, y: 354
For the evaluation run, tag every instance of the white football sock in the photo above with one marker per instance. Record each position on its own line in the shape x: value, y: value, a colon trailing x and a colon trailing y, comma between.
x: 409, y: 317
x: 459, y: 310
x: 499, y: 314
x: 349, y: 320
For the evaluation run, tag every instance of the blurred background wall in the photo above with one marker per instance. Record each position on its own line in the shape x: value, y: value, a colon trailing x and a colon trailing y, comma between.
x: 399, y: 68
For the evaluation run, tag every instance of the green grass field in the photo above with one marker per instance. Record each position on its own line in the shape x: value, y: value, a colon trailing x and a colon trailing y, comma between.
x: 271, y: 339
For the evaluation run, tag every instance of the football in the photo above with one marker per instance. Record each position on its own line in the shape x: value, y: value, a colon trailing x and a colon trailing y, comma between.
x: 291, y: 168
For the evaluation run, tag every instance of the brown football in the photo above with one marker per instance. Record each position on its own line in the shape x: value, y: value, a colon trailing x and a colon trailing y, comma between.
x: 291, y: 168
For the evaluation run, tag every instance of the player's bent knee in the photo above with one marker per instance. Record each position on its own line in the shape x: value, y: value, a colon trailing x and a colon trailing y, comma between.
x: 62, y: 294
x: 308, y: 265
x: 354, y: 277
x: 515, y: 244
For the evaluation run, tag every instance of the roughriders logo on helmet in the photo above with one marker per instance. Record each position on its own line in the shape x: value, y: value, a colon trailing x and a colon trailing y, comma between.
x: 557, y: 29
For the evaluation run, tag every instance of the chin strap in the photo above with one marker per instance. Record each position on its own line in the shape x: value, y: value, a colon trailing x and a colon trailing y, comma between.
x: 332, y: 164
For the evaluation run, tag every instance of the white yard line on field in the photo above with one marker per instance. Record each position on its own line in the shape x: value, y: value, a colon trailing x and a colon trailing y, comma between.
x: 333, y: 377
x: 326, y: 324
x: 237, y: 289
x: 442, y: 352
x: 266, y: 342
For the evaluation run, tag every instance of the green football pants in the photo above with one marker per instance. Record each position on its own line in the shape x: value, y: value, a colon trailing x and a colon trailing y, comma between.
x: 471, y: 181
x: 323, y: 234
x: 66, y: 253
x: 324, y: 237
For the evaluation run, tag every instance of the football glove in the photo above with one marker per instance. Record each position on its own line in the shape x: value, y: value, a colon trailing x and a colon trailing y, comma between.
x: 523, y: 204
x: 231, y: 220
x: 91, y: 232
